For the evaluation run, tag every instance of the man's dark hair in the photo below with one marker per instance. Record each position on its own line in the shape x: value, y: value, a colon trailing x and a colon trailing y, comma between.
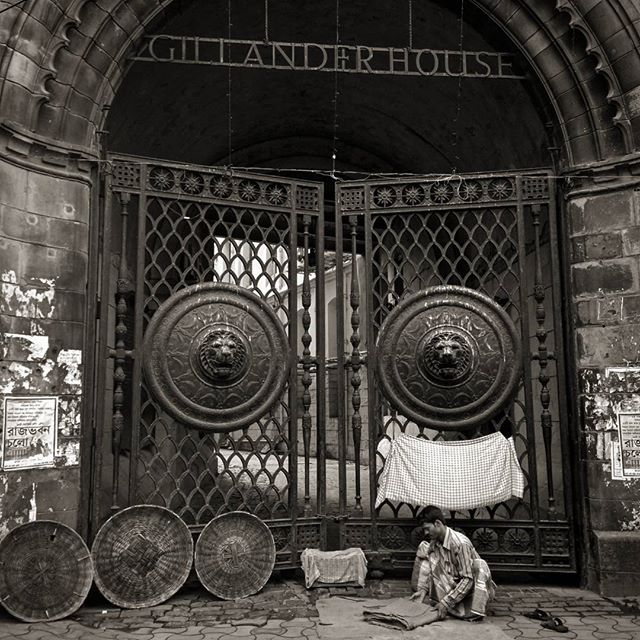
x: 431, y: 514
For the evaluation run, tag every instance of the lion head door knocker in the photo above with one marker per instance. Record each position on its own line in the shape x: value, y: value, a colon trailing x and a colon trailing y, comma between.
x: 216, y: 356
x: 448, y: 357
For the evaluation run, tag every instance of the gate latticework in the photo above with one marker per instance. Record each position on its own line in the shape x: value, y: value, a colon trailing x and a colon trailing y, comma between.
x: 211, y: 271
x: 495, y: 234
x: 221, y: 394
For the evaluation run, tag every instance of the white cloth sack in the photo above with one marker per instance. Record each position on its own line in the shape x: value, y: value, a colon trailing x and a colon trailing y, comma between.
x: 456, y: 475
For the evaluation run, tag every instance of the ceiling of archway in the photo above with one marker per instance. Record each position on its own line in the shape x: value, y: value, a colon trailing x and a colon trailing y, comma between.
x: 296, y: 119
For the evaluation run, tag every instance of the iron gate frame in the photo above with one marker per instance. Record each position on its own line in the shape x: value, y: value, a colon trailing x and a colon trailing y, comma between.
x: 554, y: 540
x: 126, y: 174
x: 125, y: 177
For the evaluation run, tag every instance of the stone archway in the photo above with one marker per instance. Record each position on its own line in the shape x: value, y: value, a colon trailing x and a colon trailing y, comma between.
x: 62, y: 67
x: 62, y: 63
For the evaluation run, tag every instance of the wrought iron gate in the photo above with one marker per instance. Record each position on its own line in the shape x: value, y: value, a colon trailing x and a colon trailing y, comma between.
x: 495, y: 234
x: 207, y: 411
x: 209, y: 274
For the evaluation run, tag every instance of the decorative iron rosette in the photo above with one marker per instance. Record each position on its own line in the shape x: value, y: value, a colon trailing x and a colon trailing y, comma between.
x: 448, y: 357
x: 216, y: 356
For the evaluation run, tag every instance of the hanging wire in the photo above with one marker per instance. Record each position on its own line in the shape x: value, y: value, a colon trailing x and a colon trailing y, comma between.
x: 410, y: 24
x: 229, y: 115
x: 456, y: 120
x: 360, y: 175
x: 266, y: 20
x: 334, y: 152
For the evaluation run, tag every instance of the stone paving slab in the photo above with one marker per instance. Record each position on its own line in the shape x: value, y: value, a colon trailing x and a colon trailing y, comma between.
x: 285, y: 609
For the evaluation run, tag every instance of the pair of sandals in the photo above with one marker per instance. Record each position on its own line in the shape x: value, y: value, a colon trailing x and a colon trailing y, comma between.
x: 547, y: 620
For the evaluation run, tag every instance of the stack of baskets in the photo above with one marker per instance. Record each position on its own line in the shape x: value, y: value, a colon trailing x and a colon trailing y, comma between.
x: 141, y: 557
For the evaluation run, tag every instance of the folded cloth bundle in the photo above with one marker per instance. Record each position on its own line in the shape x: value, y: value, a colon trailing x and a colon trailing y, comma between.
x: 401, y: 613
x: 463, y: 474
x: 348, y: 566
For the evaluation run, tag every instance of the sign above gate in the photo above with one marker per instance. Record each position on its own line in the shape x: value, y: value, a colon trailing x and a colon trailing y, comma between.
x: 311, y: 56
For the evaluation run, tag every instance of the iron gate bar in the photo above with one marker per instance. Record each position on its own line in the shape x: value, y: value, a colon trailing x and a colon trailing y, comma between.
x: 542, y: 357
x: 561, y: 367
x: 526, y: 371
x: 105, y: 240
x: 356, y: 418
x: 138, y: 333
x: 119, y: 353
x: 371, y: 367
x: 90, y: 397
x: 321, y: 376
x: 293, y: 383
x: 340, y: 365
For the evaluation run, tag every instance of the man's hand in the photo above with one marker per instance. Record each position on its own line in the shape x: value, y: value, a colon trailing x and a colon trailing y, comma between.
x: 418, y: 595
x: 442, y: 611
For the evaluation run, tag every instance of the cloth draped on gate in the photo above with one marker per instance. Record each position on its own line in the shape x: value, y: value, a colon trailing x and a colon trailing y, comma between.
x: 463, y: 474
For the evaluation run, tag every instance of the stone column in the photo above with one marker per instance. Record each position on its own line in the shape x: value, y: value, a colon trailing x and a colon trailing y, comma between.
x: 44, y: 238
x: 604, y: 227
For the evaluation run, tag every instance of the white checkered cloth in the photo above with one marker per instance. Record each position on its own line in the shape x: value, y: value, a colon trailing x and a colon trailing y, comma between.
x: 334, y: 567
x: 456, y: 475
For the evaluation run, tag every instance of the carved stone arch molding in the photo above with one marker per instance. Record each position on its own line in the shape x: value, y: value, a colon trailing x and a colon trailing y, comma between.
x: 64, y: 61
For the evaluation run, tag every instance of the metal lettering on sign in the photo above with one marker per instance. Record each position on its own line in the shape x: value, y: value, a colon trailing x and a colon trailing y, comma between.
x: 341, y: 58
x: 216, y: 356
x: 449, y: 357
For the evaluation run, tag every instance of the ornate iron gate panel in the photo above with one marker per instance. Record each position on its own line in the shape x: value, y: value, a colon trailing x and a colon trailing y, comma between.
x: 494, y: 234
x: 211, y: 272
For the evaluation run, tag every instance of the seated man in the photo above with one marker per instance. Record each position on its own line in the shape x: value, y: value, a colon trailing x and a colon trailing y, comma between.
x: 450, y: 571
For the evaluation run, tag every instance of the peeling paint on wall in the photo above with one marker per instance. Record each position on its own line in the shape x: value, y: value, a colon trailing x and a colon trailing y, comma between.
x: 603, y: 394
x: 16, y: 346
x: 33, y: 511
x: 33, y: 300
x: 71, y: 359
x: 30, y: 366
x: 15, y: 503
x: 634, y: 523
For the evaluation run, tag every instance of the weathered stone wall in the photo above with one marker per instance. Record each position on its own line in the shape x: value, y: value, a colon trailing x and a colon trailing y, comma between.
x: 44, y: 218
x: 604, y: 229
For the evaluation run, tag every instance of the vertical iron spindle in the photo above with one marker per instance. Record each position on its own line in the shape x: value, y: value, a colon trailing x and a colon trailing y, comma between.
x: 306, y: 365
x: 543, y: 356
x: 120, y: 353
x: 356, y: 381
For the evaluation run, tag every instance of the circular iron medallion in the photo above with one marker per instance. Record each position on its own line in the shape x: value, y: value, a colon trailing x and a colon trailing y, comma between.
x: 448, y: 357
x: 216, y: 356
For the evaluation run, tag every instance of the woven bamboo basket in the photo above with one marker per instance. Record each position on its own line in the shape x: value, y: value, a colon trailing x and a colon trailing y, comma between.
x: 45, y: 571
x: 142, y: 556
x: 235, y: 555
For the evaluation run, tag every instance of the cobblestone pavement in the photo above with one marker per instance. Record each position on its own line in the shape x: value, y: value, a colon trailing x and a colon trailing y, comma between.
x: 284, y: 609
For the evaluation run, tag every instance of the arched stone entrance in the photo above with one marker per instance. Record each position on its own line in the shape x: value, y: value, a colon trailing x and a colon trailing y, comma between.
x: 63, y: 66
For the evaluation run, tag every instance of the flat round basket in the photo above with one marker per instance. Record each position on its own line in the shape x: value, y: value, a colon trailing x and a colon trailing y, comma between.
x: 235, y: 554
x: 142, y: 556
x: 45, y: 571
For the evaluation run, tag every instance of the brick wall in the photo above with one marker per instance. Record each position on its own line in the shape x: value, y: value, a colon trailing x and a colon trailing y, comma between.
x: 605, y: 253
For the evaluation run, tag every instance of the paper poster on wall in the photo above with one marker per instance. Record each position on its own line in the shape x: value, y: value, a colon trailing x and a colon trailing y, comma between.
x: 29, y: 432
x: 629, y: 431
x: 616, y: 461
